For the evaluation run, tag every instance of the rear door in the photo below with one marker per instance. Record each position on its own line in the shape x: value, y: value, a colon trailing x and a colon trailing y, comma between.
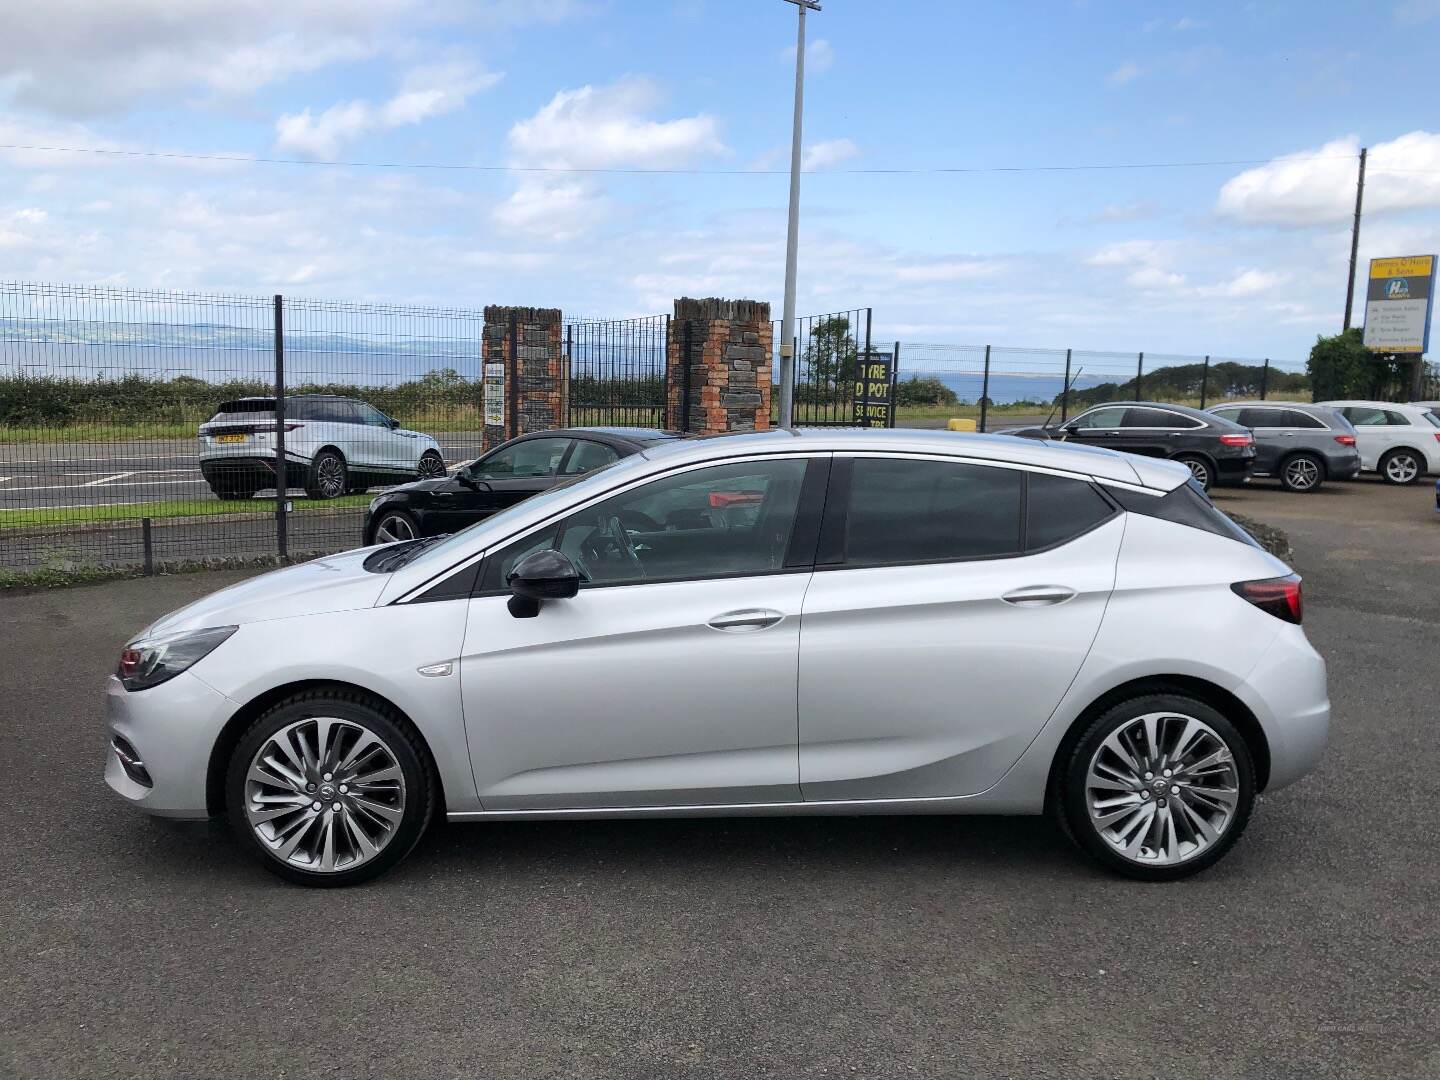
x: 944, y: 621
x: 1154, y: 432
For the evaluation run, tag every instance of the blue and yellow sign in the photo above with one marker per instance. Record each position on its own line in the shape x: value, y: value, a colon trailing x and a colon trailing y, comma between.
x: 1398, y: 304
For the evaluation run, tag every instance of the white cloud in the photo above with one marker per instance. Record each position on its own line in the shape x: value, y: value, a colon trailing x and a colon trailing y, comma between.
x: 551, y: 209
x: 1414, y: 12
x: 819, y: 56
x: 1126, y: 252
x: 828, y: 154
x: 1127, y: 72
x: 1316, y: 187
x: 425, y: 92
x: 1246, y: 283
x: 1154, y: 277
x: 609, y: 127
x: 949, y: 270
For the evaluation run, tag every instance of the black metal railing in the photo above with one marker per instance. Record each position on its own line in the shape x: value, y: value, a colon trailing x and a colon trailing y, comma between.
x: 615, y: 372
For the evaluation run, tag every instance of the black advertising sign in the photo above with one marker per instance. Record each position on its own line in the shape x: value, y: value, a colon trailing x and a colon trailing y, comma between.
x: 874, y: 396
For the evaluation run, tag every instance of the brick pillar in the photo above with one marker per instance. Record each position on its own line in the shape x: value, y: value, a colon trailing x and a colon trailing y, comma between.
x: 526, y: 342
x: 723, y: 347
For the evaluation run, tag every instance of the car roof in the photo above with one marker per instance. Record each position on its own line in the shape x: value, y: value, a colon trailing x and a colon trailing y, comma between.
x: 1062, y: 456
x: 1271, y: 403
x: 634, y: 438
x: 1399, y: 405
x: 639, y: 434
x: 1183, y: 410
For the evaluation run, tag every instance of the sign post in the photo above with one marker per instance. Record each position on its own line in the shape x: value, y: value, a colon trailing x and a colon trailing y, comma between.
x: 874, y: 396
x: 1398, y: 304
x: 494, y: 400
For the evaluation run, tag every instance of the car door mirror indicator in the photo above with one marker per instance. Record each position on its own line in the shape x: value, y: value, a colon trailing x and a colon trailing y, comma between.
x: 543, y: 575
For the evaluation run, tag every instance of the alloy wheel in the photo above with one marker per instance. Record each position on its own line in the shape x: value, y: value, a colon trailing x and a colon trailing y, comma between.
x: 324, y: 794
x: 432, y: 467
x: 1401, y: 468
x: 394, y: 527
x: 330, y: 476
x: 1302, y: 474
x: 1162, y: 789
x: 1200, y: 471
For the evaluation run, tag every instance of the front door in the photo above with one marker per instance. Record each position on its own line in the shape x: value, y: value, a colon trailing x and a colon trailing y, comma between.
x: 945, y: 630
x: 1097, y: 427
x: 670, y: 679
x: 502, y: 478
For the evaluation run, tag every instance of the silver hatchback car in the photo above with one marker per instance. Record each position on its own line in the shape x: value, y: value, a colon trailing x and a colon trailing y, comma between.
x: 827, y: 622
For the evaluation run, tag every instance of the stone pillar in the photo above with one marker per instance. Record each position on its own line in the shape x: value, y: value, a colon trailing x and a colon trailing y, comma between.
x: 722, y: 347
x: 526, y: 341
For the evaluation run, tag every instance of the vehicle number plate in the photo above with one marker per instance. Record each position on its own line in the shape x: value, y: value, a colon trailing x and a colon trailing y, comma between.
x: 230, y: 438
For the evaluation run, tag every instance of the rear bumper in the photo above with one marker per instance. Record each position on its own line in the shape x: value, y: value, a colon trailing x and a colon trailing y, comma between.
x: 1287, y: 693
x: 255, y: 468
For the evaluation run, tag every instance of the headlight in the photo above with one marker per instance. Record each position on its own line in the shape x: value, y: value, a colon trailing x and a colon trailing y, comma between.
x: 146, y: 663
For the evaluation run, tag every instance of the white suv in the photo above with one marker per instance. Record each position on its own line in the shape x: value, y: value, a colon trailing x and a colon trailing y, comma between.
x: 333, y: 446
x: 1400, y: 442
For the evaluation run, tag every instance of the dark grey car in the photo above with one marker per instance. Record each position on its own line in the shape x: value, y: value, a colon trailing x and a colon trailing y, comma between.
x: 1301, y: 445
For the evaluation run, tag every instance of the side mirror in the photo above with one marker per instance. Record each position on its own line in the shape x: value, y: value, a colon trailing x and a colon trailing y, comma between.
x: 1071, y: 429
x: 541, y: 575
x: 469, y: 481
x: 394, y: 423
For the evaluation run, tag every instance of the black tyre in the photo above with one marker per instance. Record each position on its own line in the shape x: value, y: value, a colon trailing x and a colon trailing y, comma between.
x: 1402, y: 466
x: 1200, y: 469
x: 392, y: 526
x: 1158, y: 788
x: 329, y: 788
x: 432, y: 466
x: 327, y: 478
x: 1302, y: 473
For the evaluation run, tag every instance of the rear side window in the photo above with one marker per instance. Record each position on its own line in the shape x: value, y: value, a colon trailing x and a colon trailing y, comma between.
x: 1186, y: 505
x: 1139, y: 417
x: 1058, y: 510
x: 589, y: 455
x: 1430, y: 415
x: 909, y: 511
x: 1297, y: 419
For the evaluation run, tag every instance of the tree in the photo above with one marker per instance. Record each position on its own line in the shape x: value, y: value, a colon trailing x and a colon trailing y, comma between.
x: 1341, y: 367
x: 927, y: 391
x: 829, y: 358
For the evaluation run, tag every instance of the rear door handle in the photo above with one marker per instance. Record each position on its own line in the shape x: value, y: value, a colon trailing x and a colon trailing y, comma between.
x: 746, y: 621
x: 1038, y: 595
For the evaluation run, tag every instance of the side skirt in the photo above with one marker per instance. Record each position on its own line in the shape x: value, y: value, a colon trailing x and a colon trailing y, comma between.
x: 983, y: 803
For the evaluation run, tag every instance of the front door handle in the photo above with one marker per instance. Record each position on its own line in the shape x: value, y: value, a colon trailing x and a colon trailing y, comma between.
x: 1038, y: 595
x: 746, y: 621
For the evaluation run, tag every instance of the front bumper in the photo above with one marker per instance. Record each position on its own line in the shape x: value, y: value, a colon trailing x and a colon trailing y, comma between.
x: 172, y: 728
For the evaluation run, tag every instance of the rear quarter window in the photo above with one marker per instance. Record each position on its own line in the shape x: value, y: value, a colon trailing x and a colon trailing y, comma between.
x: 1058, y: 509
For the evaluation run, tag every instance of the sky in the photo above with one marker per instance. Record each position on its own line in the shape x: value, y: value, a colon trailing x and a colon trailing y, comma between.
x: 1244, y: 258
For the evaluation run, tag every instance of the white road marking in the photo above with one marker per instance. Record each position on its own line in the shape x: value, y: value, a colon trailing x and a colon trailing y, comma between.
x: 107, y: 479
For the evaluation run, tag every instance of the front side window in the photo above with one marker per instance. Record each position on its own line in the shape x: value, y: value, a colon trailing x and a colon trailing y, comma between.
x: 1099, y: 418
x: 371, y: 415
x: 589, y: 455
x: 721, y: 521
x: 530, y: 458
x: 907, y: 511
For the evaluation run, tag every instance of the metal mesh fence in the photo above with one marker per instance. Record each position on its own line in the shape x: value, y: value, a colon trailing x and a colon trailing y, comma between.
x: 825, y: 349
x: 143, y: 428
x: 616, y: 371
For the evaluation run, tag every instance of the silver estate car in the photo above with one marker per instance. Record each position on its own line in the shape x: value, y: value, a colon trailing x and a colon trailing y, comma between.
x: 333, y: 446
x: 819, y: 622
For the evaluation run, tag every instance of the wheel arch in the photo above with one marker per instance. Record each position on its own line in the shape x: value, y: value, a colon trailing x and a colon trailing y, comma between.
x: 1203, y: 455
x: 239, y: 723
x: 1217, y: 697
x: 332, y: 447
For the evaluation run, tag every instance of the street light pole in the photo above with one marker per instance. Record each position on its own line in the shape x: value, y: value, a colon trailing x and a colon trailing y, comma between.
x: 792, y: 236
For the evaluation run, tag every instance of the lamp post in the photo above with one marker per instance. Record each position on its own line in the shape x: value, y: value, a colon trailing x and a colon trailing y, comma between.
x: 792, y: 236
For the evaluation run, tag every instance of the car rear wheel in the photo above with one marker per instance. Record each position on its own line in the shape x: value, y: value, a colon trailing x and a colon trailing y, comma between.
x: 329, y: 788
x: 395, y: 525
x: 1402, y: 467
x: 432, y: 466
x: 1199, y: 469
x: 327, y: 478
x: 1303, y: 472
x: 1158, y: 788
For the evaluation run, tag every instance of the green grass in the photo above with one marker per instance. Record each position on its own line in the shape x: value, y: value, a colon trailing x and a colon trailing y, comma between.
x: 163, y: 509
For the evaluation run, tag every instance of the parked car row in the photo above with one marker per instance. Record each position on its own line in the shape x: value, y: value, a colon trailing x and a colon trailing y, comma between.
x: 1301, y: 444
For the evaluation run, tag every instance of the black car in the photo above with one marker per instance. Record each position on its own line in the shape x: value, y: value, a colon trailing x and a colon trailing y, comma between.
x: 510, y: 473
x: 1217, y: 450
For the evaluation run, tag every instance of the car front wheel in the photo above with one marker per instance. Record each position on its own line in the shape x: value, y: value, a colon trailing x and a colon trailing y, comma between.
x: 1402, y: 467
x: 327, y: 479
x: 393, y: 526
x: 329, y: 788
x: 1157, y: 788
x: 432, y: 466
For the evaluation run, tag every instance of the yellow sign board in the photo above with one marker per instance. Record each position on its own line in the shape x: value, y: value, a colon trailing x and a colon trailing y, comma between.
x: 1410, y: 266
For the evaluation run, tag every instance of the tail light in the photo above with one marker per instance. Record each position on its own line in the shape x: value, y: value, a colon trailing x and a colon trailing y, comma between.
x: 1437, y: 436
x: 1279, y: 596
x: 1349, y: 440
x: 1238, y: 440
